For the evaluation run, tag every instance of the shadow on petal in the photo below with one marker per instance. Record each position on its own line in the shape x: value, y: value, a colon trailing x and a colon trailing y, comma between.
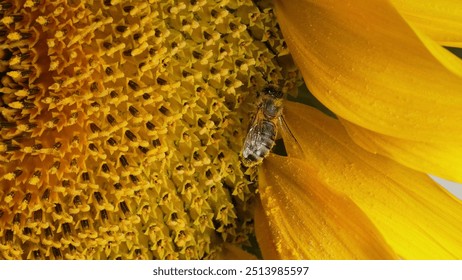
x: 232, y: 252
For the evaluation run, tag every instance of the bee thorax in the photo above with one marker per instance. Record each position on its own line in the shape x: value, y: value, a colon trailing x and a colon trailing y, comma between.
x: 270, y: 108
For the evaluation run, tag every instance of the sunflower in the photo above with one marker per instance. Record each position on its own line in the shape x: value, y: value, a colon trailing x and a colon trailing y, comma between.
x: 122, y: 124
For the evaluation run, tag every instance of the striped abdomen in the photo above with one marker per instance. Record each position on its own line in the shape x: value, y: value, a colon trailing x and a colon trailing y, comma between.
x: 259, y: 141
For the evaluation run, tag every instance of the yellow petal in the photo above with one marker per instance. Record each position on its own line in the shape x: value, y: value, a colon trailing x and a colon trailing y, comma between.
x: 232, y: 252
x: 307, y: 220
x: 439, y: 19
x: 416, y: 216
x: 264, y: 237
x: 435, y: 158
x: 366, y: 64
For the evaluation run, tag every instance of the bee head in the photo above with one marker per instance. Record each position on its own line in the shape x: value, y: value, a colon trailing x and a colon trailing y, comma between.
x: 272, y: 91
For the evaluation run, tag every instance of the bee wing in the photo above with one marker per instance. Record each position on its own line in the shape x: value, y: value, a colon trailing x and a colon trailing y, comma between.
x: 253, y: 138
x: 289, y: 139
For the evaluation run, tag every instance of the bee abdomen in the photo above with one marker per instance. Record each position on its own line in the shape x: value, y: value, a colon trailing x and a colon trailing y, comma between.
x: 263, y: 144
x: 268, y: 131
x: 258, y: 153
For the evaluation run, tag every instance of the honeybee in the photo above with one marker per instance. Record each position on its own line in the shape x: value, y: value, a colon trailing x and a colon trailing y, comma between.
x: 263, y: 127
